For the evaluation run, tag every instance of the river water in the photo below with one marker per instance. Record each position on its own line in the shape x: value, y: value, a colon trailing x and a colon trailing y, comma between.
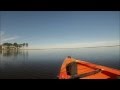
x: 45, y: 64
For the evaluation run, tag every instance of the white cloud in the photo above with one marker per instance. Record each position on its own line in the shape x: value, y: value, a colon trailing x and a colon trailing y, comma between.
x: 10, y: 38
x: 4, y: 39
x: 2, y: 33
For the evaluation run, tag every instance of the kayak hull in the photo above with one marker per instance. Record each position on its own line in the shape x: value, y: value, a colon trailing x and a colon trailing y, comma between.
x: 87, y: 70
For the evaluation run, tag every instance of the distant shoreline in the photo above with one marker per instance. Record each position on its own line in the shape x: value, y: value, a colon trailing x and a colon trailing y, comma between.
x: 73, y: 48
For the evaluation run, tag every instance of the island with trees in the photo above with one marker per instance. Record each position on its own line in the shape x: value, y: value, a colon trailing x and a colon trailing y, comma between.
x: 13, y: 46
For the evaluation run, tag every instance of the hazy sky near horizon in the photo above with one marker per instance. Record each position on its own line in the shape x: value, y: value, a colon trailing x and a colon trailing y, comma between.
x: 60, y: 29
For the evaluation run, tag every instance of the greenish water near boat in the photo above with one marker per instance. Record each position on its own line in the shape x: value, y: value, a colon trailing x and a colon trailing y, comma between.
x: 46, y: 63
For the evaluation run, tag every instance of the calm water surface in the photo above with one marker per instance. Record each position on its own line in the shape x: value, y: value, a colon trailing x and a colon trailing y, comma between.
x: 45, y: 64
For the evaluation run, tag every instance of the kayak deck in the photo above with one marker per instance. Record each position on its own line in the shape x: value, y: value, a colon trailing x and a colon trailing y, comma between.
x: 86, y: 70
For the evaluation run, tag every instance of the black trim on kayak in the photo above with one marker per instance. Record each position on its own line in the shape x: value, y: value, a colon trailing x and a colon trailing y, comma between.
x: 111, y: 75
x: 85, y: 74
x: 87, y: 65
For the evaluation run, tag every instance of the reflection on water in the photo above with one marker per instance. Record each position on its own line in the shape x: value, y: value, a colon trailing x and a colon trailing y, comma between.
x: 10, y: 57
x: 8, y: 53
x: 45, y: 64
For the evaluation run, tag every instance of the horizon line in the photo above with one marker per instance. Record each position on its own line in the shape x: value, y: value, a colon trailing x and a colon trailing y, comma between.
x: 68, y: 48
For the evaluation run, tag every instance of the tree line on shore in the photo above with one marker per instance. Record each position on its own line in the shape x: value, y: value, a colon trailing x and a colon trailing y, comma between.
x: 14, y: 45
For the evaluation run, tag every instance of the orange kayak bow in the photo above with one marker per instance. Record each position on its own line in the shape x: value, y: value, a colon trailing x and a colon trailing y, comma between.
x: 79, y: 69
